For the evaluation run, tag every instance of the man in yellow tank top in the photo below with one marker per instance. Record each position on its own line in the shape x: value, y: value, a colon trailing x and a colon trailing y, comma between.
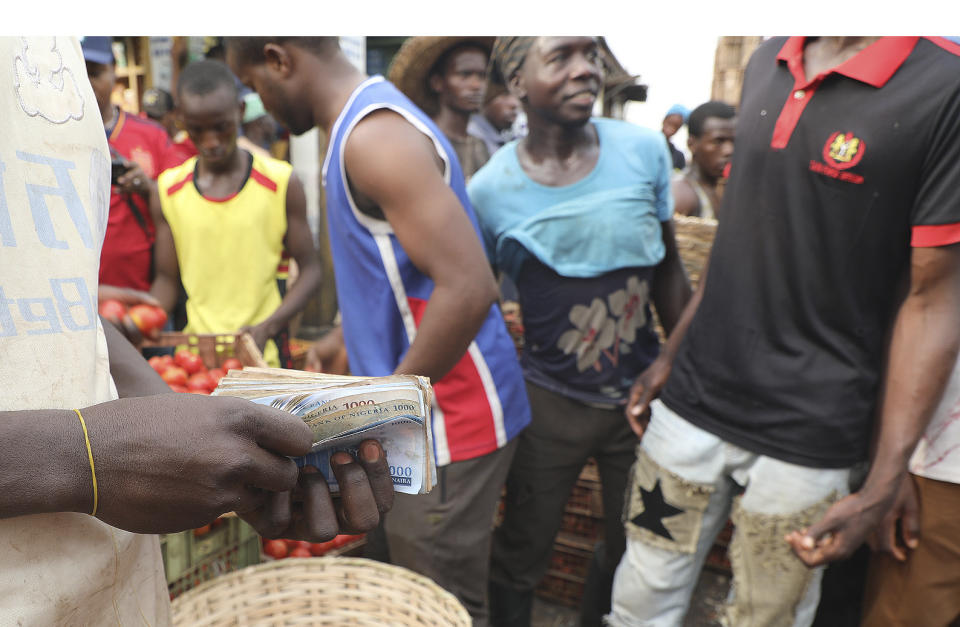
x: 223, y: 219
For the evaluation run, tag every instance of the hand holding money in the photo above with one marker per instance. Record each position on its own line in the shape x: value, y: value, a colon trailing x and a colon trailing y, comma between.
x: 344, y: 411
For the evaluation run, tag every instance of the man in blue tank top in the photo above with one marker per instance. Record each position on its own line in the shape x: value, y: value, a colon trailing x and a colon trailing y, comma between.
x: 414, y: 289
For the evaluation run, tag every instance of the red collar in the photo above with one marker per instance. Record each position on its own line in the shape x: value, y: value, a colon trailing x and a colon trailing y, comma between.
x: 874, y: 65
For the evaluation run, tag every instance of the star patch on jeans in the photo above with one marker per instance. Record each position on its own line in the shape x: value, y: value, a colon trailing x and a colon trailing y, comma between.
x: 664, y: 509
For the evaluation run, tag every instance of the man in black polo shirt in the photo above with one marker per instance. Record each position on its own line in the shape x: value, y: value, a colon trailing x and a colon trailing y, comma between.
x: 833, y: 297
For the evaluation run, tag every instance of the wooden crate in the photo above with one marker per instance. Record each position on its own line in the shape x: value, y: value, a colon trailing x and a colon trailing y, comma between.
x: 718, y: 559
x: 298, y: 352
x: 580, y: 529
x: 213, y: 348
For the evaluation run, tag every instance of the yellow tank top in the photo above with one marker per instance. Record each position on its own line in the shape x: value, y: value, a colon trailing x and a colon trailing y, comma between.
x: 228, y: 249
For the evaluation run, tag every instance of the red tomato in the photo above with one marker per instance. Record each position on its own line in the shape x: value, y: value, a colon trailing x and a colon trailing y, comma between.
x: 302, y: 544
x: 149, y: 319
x: 200, y: 382
x: 189, y: 361
x: 300, y: 552
x: 319, y: 548
x: 215, y: 375
x: 231, y: 364
x: 159, y: 364
x: 112, y: 309
x: 199, y: 531
x: 179, y: 389
x: 175, y: 375
x: 291, y: 544
x: 276, y: 549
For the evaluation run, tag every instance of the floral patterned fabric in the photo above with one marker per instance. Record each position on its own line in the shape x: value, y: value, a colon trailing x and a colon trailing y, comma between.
x: 586, y: 338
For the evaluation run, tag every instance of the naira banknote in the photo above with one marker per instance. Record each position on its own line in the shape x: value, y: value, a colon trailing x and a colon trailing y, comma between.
x: 342, y: 411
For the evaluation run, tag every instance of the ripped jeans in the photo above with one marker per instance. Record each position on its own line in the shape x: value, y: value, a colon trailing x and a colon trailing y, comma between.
x: 685, y: 484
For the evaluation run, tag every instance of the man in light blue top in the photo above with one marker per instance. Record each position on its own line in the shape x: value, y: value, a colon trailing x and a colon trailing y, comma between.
x: 577, y: 214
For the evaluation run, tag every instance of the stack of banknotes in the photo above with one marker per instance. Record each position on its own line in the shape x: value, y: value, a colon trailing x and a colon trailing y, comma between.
x: 343, y: 411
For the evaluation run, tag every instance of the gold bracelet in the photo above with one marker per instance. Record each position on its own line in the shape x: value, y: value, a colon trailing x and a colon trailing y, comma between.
x: 93, y: 472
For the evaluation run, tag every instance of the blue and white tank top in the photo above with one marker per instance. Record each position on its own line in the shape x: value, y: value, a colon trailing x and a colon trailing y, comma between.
x: 481, y: 403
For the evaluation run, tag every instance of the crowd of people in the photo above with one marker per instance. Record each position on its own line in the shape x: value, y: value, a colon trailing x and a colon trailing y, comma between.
x: 807, y: 387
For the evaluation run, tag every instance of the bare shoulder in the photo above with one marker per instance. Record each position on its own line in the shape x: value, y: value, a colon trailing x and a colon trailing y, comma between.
x: 685, y: 201
x: 384, y: 150
x: 385, y: 132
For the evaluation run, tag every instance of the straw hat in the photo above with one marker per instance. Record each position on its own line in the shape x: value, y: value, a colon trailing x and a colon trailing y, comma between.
x: 411, y: 66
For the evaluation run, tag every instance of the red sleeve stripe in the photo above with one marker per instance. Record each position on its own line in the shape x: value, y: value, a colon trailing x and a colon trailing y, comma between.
x: 263, y: 179
x: 176, y: 186
x: 946, y: 44
x: 928, y: 236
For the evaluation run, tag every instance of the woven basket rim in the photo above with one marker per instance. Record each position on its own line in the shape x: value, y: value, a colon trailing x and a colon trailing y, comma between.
x: 183, y: 609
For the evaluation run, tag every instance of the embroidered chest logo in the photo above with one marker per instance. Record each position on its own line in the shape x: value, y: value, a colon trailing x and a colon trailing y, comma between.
x: 841, y: 152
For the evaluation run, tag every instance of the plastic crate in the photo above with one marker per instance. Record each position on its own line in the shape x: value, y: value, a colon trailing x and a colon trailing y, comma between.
x: 190, y: 559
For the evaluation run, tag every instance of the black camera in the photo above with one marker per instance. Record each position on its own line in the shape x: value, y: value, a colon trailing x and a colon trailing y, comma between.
x: 117, y: 169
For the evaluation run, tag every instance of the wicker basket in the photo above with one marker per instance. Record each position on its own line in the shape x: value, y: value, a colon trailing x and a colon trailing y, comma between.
x: 694, y: 241
x: 319, y: 591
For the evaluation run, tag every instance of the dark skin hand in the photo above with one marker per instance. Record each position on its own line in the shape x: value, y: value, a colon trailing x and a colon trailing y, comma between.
x: 135, y: 181
x: 169, y: 462
x: 164, y: 463
x: 906, y: 511
x: 329, y: 354
x: 129, y: 297
x: 648, y: 385
x: 309, y: 511
x: 393, y: 167
x: 923, y: 350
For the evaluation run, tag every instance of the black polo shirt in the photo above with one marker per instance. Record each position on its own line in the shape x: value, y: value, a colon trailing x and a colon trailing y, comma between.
x: 832, y: 181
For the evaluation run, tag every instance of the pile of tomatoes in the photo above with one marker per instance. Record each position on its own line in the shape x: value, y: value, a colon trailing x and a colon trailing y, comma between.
x: 279, y: 549
x: 184, y: 371
x: 148, y: 319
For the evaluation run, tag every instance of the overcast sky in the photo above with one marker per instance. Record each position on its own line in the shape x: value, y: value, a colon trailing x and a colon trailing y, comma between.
x: 675, y: 72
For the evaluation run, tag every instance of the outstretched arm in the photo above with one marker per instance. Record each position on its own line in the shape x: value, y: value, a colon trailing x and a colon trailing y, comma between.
x: 671, y: 287
x: 131, y: 373
x: 923, y: 351
x: 166, y: 283
x: 648, y: 385
x: 395, y: 167
x: 299, y: 242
